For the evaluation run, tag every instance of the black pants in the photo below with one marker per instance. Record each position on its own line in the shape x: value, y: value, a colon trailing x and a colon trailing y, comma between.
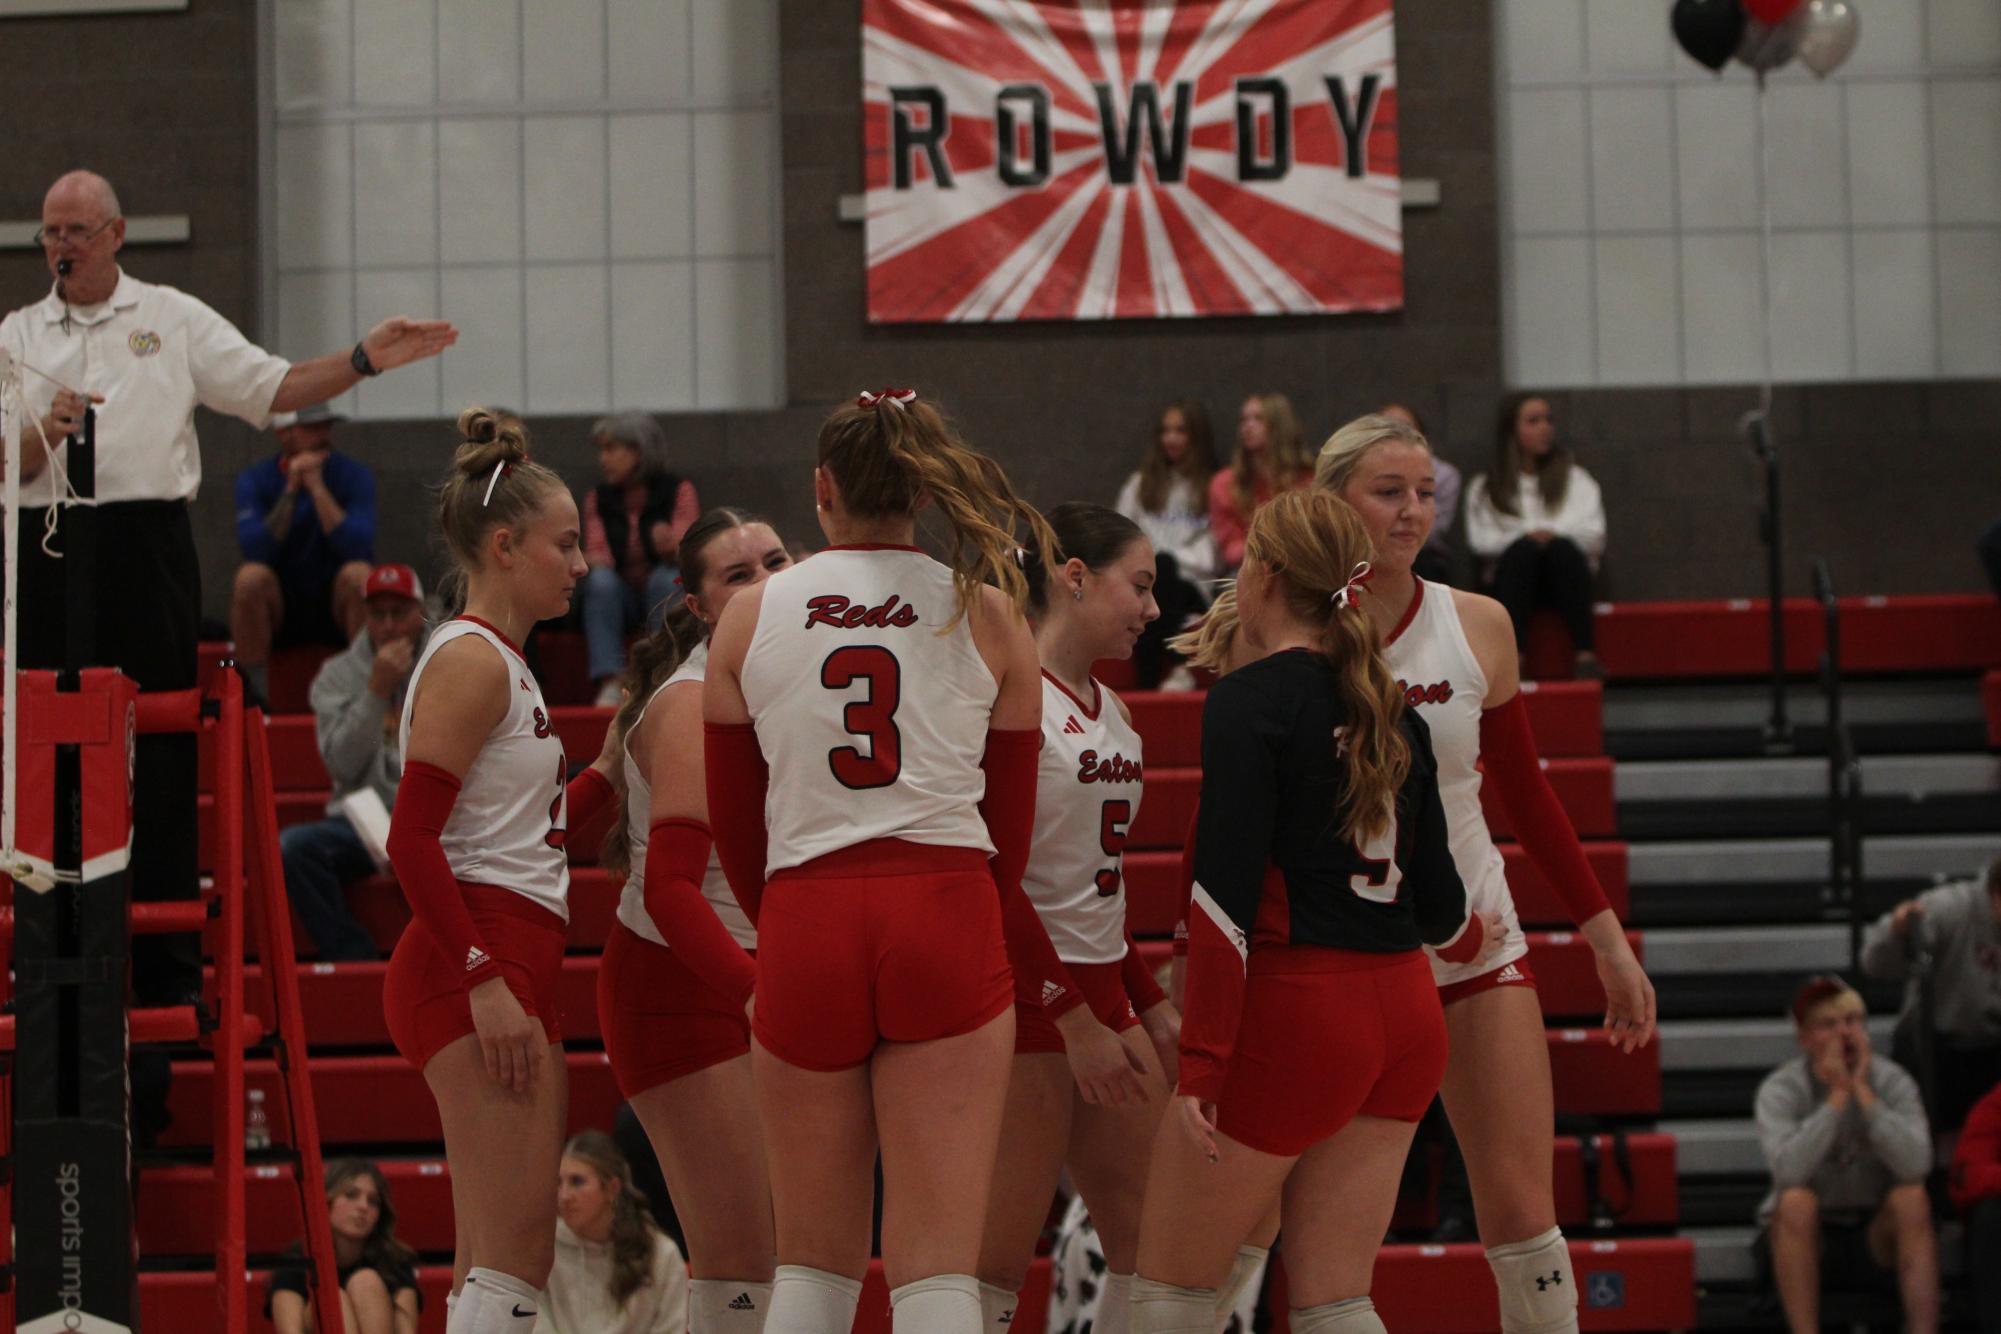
x: 146, y: 602
x: 1531, y: 575
x: 1983, y: 1264
x: 1179, y: 599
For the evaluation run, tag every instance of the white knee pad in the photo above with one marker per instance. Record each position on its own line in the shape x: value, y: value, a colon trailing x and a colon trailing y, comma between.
x: 811, y: 1301
x: 1244, y: 1271
x: 1163, y: 1308
x: 1538, y: 1290
x: 997, y: 1308
x: 1115, y: 1305
x: 1356, y: 1315
x: 727, y: 1306
x: 494, y: 1303
x: 941, y: 1304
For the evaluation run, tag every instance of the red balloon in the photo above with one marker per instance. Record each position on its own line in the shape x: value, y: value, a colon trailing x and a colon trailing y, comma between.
x: 1771, y: 11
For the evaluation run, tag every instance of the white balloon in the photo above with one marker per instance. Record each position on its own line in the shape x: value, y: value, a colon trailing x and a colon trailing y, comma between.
x: 1827, y: 31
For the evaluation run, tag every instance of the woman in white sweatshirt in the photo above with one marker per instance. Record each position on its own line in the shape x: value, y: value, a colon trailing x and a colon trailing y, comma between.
x: 1536, y: 526
x: 1168, y: 497
x: 616, y: 1272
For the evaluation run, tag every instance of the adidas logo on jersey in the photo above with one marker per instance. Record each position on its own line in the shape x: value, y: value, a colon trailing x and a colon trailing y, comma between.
x: 742, y: 1302
x: 1051, y: 992
x: 1071, y: 725
x: 477, y: 958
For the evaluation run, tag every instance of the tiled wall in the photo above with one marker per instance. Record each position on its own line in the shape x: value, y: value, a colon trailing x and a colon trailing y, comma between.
x: 1631, y: 200
x: 588, y: 188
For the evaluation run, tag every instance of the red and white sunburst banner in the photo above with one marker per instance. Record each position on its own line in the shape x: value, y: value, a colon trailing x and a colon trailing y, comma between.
x: 1130, y: 159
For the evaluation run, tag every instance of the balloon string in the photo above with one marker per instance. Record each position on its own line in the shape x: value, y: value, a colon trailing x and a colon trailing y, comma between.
x: 1765, y: 245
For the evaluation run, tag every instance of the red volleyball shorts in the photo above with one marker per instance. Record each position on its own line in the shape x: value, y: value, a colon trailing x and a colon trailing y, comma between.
x: 1515, y: 973
x: 423, y: 996
x: 660, y: 1021
x: 886, y: 941
x: 1104, y: 991
x: 1329, y: 1035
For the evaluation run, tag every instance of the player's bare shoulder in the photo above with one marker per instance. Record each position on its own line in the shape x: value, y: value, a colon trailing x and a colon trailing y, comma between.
x: 1491, y: 635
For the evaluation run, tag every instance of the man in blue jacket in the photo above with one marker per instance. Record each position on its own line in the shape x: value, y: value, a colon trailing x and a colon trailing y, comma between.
x: 305, y: 519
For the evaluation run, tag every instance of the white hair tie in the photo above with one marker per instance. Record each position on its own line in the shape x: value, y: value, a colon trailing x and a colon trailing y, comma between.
x: 1358, y: 578
x: 493, y: 481
x: 896, y: 398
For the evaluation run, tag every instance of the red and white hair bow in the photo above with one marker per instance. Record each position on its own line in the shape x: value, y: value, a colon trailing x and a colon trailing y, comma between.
x: 896, y: 398
x: 1358, y: 579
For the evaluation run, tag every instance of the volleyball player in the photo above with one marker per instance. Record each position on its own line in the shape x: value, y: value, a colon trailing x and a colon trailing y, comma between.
x: 676, y: 981
x: 477, y: 840
x: 1454, y: 656
x: 1095, y: 604
x: 1313, y: 1040
x: 873, y: 718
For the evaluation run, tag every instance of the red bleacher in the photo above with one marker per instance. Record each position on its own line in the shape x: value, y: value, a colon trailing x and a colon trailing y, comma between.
x: 1923, y: 633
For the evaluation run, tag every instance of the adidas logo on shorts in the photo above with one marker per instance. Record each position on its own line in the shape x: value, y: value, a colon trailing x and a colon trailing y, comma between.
x: 742, y: 1302
x: 1051, y: 992
x: 1510, y: 973
x: 1071, y: 725
x: 477, y: 958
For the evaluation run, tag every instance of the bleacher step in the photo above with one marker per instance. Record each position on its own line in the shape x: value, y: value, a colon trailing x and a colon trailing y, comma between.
x: 1728, y: 720
x: 1743, y: 1044
x: 1902, y: 857
x: 1762, y: 797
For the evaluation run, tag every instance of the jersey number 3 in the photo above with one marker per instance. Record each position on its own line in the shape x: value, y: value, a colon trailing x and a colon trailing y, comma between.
x: 873, y: 717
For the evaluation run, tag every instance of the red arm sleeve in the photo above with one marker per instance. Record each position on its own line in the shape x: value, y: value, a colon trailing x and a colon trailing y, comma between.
x: 424, y: 803
x: 677, y: 857
x: 1009, y: 810
x: 737, y: 778
x: 588, y: 800
x: 1507, y: 752
x: 1976, y: 1163
x: 1142, y: 987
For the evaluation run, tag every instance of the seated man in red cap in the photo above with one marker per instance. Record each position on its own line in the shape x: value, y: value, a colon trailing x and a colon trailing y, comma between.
x: 357, y: 705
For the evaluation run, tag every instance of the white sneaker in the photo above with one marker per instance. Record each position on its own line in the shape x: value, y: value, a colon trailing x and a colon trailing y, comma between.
x: 610, y: 694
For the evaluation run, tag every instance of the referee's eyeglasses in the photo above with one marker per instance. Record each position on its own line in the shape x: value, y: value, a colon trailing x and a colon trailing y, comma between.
x: 75, y: 233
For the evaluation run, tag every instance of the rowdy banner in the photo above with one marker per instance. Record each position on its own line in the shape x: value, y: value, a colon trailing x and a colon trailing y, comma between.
x: 1115, y: 159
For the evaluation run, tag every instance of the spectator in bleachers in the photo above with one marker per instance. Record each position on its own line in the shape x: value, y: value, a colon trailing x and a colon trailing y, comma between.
x: 1845, y: 1137
x: 633, y: 522
x: 1536, y: 526
x: 1271, y: 457
x: 357, y: 701
x: 1168, y: 497
x: 1976, y: 1193
x: 615, y: 1271
x: 1957, y: 929
x: 377, y: 1273
x: 1436, y: 561
x: 305, y: 521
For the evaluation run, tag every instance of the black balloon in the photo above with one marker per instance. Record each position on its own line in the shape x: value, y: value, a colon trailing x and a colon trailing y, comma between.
x: 1709, y: 30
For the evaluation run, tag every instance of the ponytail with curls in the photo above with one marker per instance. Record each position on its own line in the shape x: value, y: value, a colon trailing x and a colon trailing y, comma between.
x: 493, y: 484
x: 656, y: 657
x: 888, y: 453
x: 1313, y: 543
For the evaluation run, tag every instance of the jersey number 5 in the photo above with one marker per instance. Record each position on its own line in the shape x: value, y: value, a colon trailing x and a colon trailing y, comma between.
x: 1380, y: 882
x: 873, y: 717
x: 1112, y: 821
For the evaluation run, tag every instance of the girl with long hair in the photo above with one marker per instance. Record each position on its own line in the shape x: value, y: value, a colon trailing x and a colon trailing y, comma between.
x: 1312, y: 1041
x: 1536, y: 524
x: 1092, y: 605
x: 615, y: 1272
x: 377, y: 1273
x: 873, y: 717
x: 1271, y: 457
x: 1168, y: 497
x: 478, y: 843
x: 675, y: 985
x: 1453, y: 656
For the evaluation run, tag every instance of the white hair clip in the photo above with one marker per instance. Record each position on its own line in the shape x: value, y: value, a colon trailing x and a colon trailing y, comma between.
x: 493, y: 481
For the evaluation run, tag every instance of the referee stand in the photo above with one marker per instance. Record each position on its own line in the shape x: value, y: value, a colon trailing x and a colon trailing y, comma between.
x: 66, y: 1165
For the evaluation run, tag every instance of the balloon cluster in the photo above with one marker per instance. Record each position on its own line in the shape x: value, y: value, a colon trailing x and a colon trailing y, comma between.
x: 1765, y: 34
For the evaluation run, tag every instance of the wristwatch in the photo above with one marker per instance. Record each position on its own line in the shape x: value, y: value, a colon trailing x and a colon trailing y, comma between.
x: 359, y: 360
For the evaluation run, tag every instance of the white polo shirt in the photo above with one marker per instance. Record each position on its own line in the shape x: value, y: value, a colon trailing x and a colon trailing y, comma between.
x: 154, y: 353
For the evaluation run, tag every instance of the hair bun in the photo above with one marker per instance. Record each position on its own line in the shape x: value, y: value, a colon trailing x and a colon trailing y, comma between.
x: 488, y: 436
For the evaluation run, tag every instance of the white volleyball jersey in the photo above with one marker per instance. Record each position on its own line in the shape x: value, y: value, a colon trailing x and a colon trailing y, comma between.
x: 508, y: 826
x: 1442, y: 680
x: 873, y: 721
x: 1087, y: 792
x: 639, y: 822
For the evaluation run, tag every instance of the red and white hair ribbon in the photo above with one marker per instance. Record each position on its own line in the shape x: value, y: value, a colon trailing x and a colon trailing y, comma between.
x: 896, y: 398
x: 1358, y: 579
